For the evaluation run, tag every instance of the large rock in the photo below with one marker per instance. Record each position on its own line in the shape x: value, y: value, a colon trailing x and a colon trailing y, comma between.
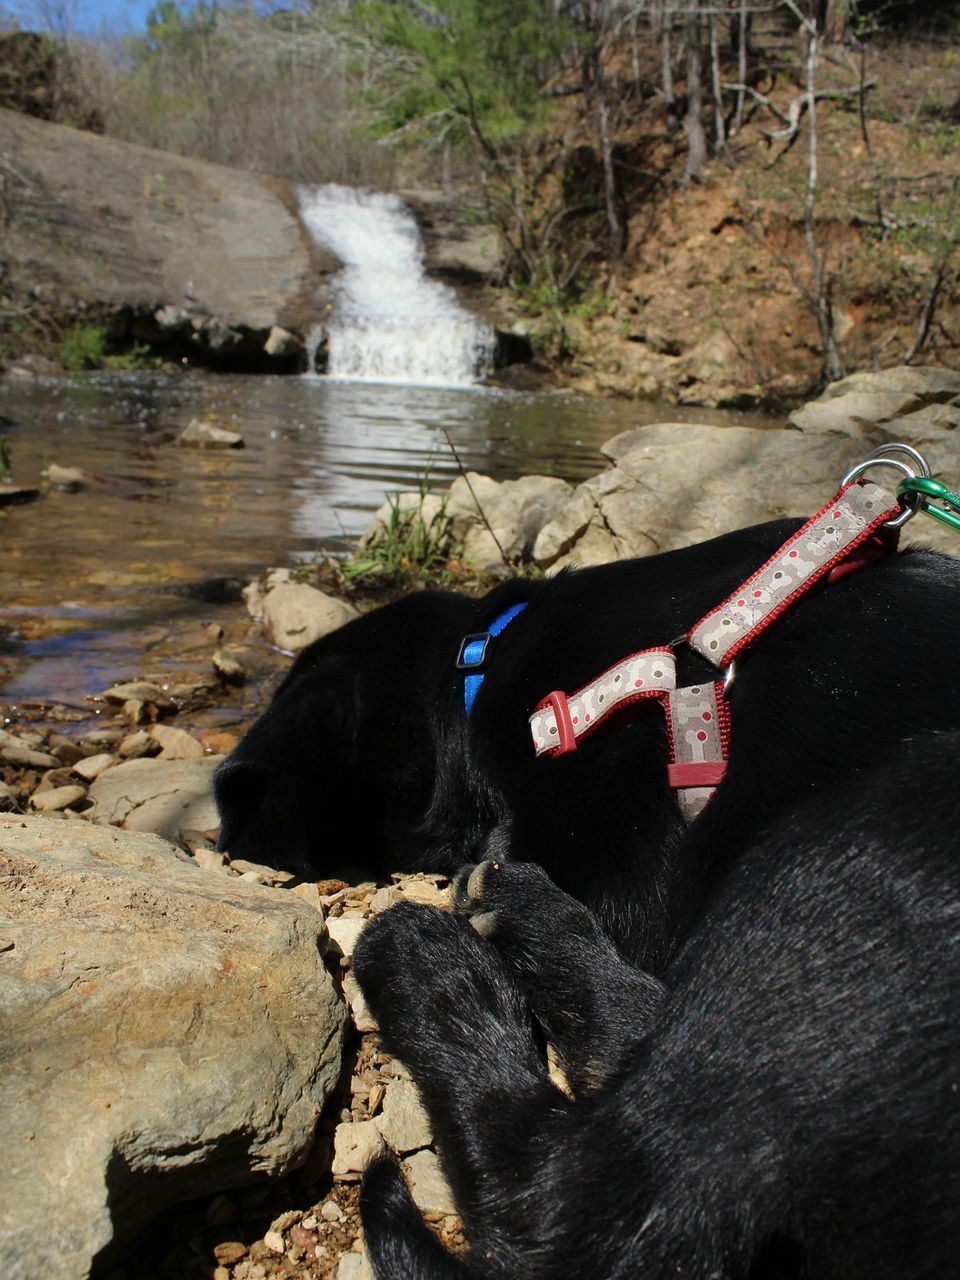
x: 904, y: 403
x: 168, y: 797
x: 164, y: 1032
x: 676, y: 484
x: 488, y: 518
x: 197, y: 255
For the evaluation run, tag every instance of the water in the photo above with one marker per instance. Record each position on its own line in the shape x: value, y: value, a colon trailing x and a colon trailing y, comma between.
x: 92, y: 580
x: 390, y: 323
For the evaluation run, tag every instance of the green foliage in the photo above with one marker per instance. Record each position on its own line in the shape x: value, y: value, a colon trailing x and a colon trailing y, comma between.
x: 88, y: 347
x: 414, y: 543
x: 474, y: 68
x: 83, y: 347
x: 5, y: 470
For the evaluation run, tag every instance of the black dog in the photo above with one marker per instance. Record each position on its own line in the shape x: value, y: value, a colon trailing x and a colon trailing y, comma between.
x: 787, y: 1103
x: 368, y: 736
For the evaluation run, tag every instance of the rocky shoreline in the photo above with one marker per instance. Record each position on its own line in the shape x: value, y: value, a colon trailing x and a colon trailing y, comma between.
x: 194, y: 1015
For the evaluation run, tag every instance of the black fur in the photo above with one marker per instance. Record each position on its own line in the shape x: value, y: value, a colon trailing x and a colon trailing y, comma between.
x: 758, y: 1015
x: 368, y: 729
x: 787, y: 1104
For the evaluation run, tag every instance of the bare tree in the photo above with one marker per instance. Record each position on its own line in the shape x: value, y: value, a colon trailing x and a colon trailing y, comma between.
x: 696, y: 138
x: 832, y: 363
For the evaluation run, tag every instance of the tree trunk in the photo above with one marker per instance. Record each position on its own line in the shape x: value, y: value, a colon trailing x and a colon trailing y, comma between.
x: 832, y: 363
x: 743, y: 48
x: 696, y: 138
x: 836, y: 15
x: 666, y: 61
x: 719, y: 125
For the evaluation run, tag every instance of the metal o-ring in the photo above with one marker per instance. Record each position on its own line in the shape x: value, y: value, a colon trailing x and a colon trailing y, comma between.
x: 862, y: 467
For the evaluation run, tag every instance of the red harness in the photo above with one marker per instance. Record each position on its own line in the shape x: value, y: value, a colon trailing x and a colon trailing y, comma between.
x: 856, y: 528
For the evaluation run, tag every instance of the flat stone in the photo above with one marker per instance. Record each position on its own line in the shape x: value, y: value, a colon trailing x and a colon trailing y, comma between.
x: 188, y: 1019
x: 168, y: 797
x: 176, y: 744
x: 141, y: 690
x: 229, y: 667
x: 138, y: 744
x: 11, y: 494
x: 363, y: 1019
x: 91, y: 767
x: 355, y: 1144
x: 27, y: 758
x: 206, y: 435
x: 57, y: 798
x: 428, y: 1186
x: 344, y: 932
x: 403, y: 1123
x: 70, y: 479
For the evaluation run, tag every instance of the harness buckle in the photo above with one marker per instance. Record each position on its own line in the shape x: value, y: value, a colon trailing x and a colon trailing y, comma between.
x: 473, y: 651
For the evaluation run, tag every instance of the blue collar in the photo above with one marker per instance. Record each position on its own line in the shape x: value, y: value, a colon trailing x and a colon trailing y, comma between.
x: 474, y: 650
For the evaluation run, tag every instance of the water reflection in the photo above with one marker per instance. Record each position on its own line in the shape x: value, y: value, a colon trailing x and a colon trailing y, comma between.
x: 319, y: 457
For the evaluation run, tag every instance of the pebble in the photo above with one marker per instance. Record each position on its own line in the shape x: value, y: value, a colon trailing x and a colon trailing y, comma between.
x: 66, y: 751
x: 428, y: 1186
x: 355, y: 1144
x: 70, y: 479
x: 209, y: 859
x: 403, y: 1123
x: 383, y: 899
x: 57, y: 798
x: 229, y: 667
x: 354, y: 1266
x: 101, y: 737
x: 204, y: 435
x: 134, y: 710
x: 176, y: 744
x: 138, y: 744
x: 330, y: 1211
x: 363, y: 1019
x: 27, y: 758
x: 138, y: 689
x: 274, y: 1242
x: 344, y: 932
x: 310, y: 895
x: 91, y: 767
x: 229, y: 1252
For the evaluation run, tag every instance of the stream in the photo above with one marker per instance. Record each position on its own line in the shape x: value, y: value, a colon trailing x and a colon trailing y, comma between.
x: 163, y: 536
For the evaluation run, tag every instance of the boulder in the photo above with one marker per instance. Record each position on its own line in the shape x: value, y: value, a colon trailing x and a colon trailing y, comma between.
x: 296, y: 614
x: 674, y: 484
x: 169, y: 797
x: 198, y: 257
x: 165, y: 1032
x: 493, y: 521
x: 884, y: 405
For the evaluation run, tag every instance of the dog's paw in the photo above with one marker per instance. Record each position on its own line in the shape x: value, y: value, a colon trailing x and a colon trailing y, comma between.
x: 592, y: 1005
x: 439, y: 994
x: 517, y: 907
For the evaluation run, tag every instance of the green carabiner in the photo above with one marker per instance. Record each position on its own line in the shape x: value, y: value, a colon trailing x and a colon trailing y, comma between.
x: 920, y: 493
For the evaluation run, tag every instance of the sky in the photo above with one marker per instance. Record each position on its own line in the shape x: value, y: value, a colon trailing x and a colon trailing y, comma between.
x: 122, y: 15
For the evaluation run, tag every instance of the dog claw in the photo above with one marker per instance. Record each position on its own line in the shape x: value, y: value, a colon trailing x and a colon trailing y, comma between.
x: 485, y: 923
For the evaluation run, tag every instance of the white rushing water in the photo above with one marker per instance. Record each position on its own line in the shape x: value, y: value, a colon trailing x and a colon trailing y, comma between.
x: 390, y: 323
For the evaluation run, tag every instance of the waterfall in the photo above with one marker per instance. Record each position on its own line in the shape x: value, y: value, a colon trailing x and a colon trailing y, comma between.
x: 390, y: 323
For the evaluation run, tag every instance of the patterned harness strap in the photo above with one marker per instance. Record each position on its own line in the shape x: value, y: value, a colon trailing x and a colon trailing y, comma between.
x: 698, y: 720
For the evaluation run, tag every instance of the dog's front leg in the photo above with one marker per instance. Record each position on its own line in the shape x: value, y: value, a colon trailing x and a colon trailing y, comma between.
x: 448, y: 1007
x: 594, y: 1007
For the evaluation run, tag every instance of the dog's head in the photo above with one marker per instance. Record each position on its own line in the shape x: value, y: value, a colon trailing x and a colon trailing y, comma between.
x: 341, y: 768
